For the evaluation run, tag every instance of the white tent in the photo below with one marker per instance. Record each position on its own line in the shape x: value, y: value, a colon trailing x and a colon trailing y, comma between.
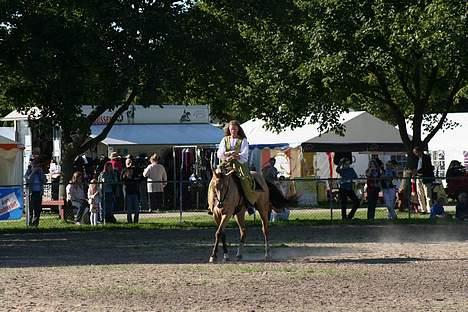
x: 11, y: 162
x: 450, y: 144
x: 364, y: 133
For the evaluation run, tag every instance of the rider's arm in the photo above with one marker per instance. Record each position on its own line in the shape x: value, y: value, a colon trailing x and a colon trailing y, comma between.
x: 221, y: 150
x: 244, y: 152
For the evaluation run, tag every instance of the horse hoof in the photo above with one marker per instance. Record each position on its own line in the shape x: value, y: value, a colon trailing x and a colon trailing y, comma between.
x: 212, y: 260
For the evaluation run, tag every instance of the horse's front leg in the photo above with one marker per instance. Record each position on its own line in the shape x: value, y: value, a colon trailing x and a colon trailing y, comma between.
x: 221, y: 221
x: 240, y: 219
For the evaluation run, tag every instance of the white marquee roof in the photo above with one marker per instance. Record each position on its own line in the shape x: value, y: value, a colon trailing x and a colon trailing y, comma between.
x: 361, y: 127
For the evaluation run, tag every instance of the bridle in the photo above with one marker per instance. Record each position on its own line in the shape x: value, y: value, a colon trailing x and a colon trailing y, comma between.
x: 221, y: 200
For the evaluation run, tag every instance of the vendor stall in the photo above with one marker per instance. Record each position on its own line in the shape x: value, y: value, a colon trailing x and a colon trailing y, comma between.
x: 11, y: 179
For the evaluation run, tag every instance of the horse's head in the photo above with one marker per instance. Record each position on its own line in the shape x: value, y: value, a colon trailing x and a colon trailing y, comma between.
x: 221, y: 185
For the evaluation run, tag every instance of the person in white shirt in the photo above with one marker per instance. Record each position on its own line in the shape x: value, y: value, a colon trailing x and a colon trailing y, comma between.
x: 233, y: 151
x: 156, y: 182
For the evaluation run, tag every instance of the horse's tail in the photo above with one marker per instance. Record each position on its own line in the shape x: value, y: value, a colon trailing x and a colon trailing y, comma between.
x: 278, y: 200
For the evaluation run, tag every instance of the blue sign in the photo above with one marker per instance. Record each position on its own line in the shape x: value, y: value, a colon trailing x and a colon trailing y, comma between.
x: 11, y: 203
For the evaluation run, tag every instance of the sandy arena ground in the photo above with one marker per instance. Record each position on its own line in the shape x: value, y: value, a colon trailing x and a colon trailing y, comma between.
x: 321, y: 268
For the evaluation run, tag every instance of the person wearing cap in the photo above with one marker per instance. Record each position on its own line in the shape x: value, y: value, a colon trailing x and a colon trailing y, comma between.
x: 107, y: 180
x: 116, y: 162
x: 35, y: 179
x: 346, y: 188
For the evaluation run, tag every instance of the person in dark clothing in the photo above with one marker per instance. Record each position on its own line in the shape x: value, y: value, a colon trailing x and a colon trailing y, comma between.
x: 35, y: 178
x: 461, y: 209
x: 457, y: 180
x: 373, y: 174
x: 424, y: 178
x: 132, y: 188
x: 346, y: 188
x: 455, y: 169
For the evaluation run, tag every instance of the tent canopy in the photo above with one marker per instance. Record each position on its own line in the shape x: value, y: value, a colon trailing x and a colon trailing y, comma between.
x: 11, y: 162
x: 363, y: 132
x: 7, y: 132
x: 159, y: 134
x: 451, y: 141
x: 32, y: 113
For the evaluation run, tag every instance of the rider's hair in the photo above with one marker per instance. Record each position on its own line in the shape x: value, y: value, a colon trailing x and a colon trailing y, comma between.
x: 235, y: 123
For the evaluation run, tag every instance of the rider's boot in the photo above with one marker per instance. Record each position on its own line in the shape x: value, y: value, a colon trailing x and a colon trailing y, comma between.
x: 250, y: 208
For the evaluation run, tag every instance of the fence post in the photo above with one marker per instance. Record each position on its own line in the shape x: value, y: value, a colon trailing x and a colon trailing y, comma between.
x: 62, y: 207
x: 408, y: 195
x: 330, y: 197
x: 180, y: 198
x: 26, y: 204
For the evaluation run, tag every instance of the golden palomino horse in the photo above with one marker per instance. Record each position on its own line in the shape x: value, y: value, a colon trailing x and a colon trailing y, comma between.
x: 227, y: 197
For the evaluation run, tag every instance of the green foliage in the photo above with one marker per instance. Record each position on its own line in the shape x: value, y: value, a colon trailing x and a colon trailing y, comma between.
x: 397, y: 59
x: 60, y: 55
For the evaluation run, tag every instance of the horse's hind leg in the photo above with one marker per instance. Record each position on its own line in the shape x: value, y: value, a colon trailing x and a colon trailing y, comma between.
x: 240, y: 219
x: 263, y: 211
x: 225, y: 250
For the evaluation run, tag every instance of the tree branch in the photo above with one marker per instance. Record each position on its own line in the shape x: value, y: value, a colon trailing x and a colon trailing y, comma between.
x: 101, y: 136
x: 448, y: 106
x: 392, y: 107
x: 417, y: 86
x: 430, y: 84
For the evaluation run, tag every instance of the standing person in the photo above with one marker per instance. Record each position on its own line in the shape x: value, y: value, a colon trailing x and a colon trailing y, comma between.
x: 140, y: 164
x: 156, y: 182
x: 116, y: 162
x: 131, y: 184
x: 270, y: 173
x: 55, y: 174
x: 94, y: 201
x: 346, y: 188
x: 117, y: 165
x: 373, y: 174
x: 76, y: 195
x: 389, y: 189
x: 424, y: 178
x: 35, y: 178
x: 233, y: 151
x: 107, y: 179
x: 128, y: 164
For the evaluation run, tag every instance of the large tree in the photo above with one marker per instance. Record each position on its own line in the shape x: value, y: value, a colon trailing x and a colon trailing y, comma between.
x: 58, y: 55
x: 402, y: 60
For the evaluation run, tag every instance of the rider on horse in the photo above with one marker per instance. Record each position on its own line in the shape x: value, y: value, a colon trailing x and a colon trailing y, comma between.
x: 233, y: 152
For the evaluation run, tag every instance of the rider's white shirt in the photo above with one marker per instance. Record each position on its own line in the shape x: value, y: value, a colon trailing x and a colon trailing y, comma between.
x: 244, y: 150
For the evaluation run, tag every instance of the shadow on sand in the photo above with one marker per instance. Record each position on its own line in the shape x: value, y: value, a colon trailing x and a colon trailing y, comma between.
x: 191, y: 246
